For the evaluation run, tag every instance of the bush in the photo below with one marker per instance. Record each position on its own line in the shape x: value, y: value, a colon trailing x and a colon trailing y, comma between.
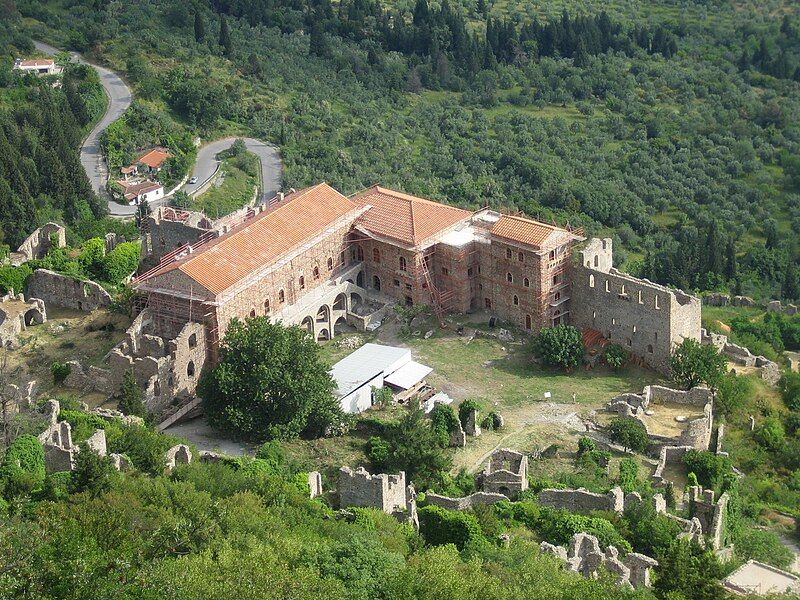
x: 789, y: 386
x: 586, y: 444
x: 770, y: 434
x: 378, y: 451
x: 757, y: 544
x: 710, y: 469
x: 560, y: 346
x: 465, y: 408
x: 694, y: 363
x: 732, y: 392
x: 444, y: 422
x: 131, y: 400
x: 630, y: 433
x: 492, y: 421
x: 14, y: 278
x: 121, y: 262
x: 440, y: 526
x: 24, y: 455
x: 558, y: 527
x: 615, y: 356
x: 60, y: 372
x: 628, y: 474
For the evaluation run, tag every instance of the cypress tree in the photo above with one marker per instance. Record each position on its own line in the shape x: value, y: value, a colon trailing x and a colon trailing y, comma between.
x: 731, y: 267
x: 791, y: 287
x: 319, y: 43
x: 225, y: 37
x: 199, y: 27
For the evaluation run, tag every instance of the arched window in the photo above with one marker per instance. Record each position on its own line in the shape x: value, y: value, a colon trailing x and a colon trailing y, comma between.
x: 281, y: 297
x: 190, y: 369
x: 526, y: 282
x: 376, y: 283
x: 316, y: 272
x: 302, y: 282
x: 341, y: 257
x: 596, y: 260
x: 591, y: 280
x: 266, y: 306
x: 402, y: 263
x: 330, y: 263
x: 527, y: 321
x: 376, y: 255
x: 509, y: 278
x: 516, y: 300
x: 650, y: 348
x: 252, y: 313
x: 193, y: 340
x: 359, y: 253
x: 557, y: 296
x: 521, y: 257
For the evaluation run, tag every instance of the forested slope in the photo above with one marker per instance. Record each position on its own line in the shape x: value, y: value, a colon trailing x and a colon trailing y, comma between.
x: 671, y: 126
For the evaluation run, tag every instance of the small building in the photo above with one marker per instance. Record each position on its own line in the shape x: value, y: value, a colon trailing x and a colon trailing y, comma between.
x: 373, y: 366
x: 757, y: 578
x: 138, y: 192
x: 152, y: 160
x: 38, y: 66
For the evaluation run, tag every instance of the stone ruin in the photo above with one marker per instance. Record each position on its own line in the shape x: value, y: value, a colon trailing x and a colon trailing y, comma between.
x: 388, y: 493
x: 739, y: 355
x: 506, y: 473
x: 168, y: 368
x: 696, y: 433
x: 16, y: 315
x: 59, y: 449
x: 314, y: 484
x: 39, y: 243
x: 583, y: 501
x: 709, y: 513
x: 180, y: 454
x: 717, y: 299
x: 465, y: 502
x: 585, y: 557
x: 458, y: 437
x: 471, y: 427
x: 67, y: 292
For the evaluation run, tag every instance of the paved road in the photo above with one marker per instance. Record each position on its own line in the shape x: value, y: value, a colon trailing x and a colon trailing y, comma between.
x: 206, y: 164
x: 119, y: 99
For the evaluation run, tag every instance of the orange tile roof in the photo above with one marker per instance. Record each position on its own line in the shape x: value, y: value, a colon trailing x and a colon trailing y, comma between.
x: 405, y: 218
x: 527, y: 231
x: 228, y: 259
x: 37, y: 62
x: 154, y: 158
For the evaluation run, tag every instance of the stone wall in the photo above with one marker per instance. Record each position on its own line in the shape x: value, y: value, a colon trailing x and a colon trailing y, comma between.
x: 739, y: 355
x: 465, y: 502
x: 645, y: 318
x: 16, y: 314
x: 711, y: 514
x: 668, y: 455
x: 506, y: 473
x: 583, y: 501
x: 64, y: 291
x: 388, y: 493
x: 37, y: 244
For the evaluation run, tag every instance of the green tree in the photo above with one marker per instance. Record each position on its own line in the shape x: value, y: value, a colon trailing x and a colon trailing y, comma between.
x: 199, y: 27
x: 630, y: 433
x: 93, y: 473
x: 790, y: 289
x: 688, y: 571
x: 694, y: 364
x: 270, y: 382
x: 318, y: 43
x: 225, y: 37
x: 732, y: 393
x: 560, y: 346
x: 628, y: 474
x: 710, y: 469
x: 731, y: 265
x: 615, y: 356
x: 131, y: 400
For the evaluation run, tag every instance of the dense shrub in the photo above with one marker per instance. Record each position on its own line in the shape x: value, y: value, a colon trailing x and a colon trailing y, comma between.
x: 121, y: 262
x: 441, y: 526
x: 466, y: 407
x: 444, y: 421
x: 709, y: 468
x: 630, y: 433
x: 60, y: 372
x: 26, y: 455
x: 560, y: 346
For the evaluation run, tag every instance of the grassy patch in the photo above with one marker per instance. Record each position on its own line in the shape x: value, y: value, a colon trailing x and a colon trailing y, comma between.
x: 234, y: 187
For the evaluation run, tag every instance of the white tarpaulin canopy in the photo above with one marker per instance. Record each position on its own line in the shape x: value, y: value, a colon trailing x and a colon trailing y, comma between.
x: 409, y: 375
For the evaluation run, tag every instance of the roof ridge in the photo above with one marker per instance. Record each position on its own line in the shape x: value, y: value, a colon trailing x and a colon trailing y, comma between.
x: 410, y: 197
x: 529, y: 220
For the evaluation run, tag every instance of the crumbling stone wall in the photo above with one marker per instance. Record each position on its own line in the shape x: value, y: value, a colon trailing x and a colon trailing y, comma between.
x: 583, y: 501
x: 711, y: 514
x: 16, y: 314
x: 64, y: 291
x: 465, y: 502
x: 668, y: 455
x: 167, y: 229
x: 37, y: 244
x: 506, y: 473
x: 167, y: 369
x: 770, y: 371
x: 645, y: 318
x: 585, y: 557
x: 388, y: 493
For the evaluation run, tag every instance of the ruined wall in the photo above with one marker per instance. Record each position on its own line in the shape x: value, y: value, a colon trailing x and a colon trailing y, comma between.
x: 506, y: 473
x: 64, y: 291
x: 711, y: 514
x: 582, y: 501
x: 646, y: 319
x: 668, y: 455
x: 465, y: 502
x: 16, y: 314
x: 382, y: 491
x: 37, y: 244
x: 163, y: 235
x: 769, y: 370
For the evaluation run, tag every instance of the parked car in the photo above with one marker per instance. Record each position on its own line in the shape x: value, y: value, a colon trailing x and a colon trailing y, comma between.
x: 193, y: 180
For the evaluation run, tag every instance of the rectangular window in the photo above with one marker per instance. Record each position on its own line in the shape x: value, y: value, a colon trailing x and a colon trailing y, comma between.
x: 470, y: 272
x: 396, y: 283
x: 445, y: 271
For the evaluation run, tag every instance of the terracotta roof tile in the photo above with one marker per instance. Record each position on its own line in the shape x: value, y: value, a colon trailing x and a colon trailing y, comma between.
x: 154, y: 158
x: 37, y: 62
x: 405, y: 218
x: 527, y: 231
x: 228, y: 259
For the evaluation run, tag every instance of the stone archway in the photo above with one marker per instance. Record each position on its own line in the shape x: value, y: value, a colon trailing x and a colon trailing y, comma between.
x: 355, y: 300
x: 340, y: 303
x: 308, y: 325
x: 341, y: 326
x: 323, y: 314
x: 360, y: 279
x: 323, y: 335
x: 33, y: 316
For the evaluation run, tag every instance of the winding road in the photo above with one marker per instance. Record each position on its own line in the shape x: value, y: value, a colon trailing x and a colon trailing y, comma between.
x: 206, y: 165
x: 119, y: 99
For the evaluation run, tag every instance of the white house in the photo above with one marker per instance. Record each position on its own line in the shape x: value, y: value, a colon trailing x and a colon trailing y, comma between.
x: 136, y: 193
x: 38, y: 66
x: 372, y: 366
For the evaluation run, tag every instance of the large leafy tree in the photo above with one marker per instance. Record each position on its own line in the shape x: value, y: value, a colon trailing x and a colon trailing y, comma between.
x: 560, y: 346
x: 630, y: 433
x: 270, y: 383
x: 694, y: 364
